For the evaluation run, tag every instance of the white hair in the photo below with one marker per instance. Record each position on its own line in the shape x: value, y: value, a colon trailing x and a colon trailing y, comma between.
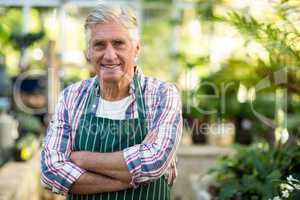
x: 106, y: 12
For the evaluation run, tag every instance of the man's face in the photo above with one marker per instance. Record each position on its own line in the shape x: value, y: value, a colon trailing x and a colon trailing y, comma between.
x: 111, y: 52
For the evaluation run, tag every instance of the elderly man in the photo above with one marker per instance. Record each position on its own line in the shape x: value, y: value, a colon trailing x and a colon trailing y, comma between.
x: 113, y: 136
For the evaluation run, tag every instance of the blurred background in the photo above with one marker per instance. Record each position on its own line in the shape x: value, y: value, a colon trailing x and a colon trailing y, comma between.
x: 235, y: 62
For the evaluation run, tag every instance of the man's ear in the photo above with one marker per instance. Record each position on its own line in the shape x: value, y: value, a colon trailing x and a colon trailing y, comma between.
x: 87, y: 56
x: 138, y: 48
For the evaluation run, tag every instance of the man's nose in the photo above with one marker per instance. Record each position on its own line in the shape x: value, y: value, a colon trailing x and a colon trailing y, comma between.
x: 110, y: 53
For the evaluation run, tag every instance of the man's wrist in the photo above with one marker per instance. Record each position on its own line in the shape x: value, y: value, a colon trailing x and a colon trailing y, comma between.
x: 125, y: 185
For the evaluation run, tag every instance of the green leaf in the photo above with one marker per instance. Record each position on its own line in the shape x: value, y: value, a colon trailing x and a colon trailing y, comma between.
x: 248, y: 180
x: 267, y: 190
x: 229, y: 189
x: 258, y: 165
x: 274, y: 175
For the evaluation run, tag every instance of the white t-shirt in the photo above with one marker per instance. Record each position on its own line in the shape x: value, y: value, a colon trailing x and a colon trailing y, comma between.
x: 114, y: 109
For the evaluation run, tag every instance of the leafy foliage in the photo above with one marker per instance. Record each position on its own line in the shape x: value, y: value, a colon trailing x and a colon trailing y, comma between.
x: 255, y: 172
x: 10, y: 22
x: 279, y: 37
x: 22, y: 41
x: 280, y: 40
x: 206, y: 9
x: 28, y: 123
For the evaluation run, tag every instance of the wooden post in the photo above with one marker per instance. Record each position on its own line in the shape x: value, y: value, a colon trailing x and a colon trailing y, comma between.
x: 53, y: 65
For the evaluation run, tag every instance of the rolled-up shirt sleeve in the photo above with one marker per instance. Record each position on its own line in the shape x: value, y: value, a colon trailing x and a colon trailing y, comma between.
x: 151, y: 159
x: 58, y: 172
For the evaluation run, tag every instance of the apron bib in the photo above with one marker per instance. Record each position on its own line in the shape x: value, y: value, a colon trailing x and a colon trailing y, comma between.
x: 97, y: 134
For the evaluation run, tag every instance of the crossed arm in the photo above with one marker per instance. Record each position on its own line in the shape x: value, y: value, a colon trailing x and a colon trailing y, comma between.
x: 108, y: 172
x: 93, y: 183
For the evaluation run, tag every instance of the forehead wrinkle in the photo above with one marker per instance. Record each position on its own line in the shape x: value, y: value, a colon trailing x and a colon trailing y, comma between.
x: 108, y: 39
x: 109, y: 33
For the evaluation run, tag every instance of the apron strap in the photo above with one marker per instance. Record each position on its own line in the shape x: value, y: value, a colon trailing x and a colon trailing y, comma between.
x: 90, y: 98
x: 139, y: 97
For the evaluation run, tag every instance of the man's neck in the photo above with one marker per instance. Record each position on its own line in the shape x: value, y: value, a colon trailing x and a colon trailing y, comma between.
x: 113, y: 91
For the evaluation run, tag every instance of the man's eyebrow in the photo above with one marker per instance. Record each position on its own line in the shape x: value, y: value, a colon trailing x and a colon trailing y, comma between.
x: 98, y: 40
x: 119, y: 39
x: 104, y: 41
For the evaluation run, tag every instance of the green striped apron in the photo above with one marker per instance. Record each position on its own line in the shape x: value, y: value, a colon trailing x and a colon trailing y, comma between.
x: 98, y: 134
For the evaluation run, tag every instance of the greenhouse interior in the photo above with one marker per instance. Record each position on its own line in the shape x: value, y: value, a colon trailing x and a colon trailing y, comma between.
x: 235, y: 63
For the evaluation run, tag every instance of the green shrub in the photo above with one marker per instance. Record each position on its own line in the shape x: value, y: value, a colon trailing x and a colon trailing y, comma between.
x: 257, y: 171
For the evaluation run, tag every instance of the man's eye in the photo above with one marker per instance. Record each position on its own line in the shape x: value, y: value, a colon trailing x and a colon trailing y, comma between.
x: 99, y: 44
x: 118, y: 43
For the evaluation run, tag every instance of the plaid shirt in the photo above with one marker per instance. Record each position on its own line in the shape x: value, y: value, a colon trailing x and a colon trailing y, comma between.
x: 156, y: 156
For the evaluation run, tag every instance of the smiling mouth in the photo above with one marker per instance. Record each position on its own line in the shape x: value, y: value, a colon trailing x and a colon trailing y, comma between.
x: 111, y: 67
